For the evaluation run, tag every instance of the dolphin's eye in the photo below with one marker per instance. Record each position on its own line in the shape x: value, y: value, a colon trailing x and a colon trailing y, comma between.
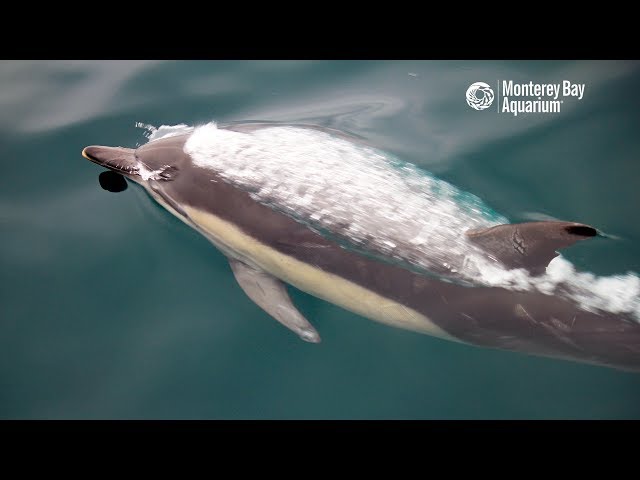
x: 168, y: 172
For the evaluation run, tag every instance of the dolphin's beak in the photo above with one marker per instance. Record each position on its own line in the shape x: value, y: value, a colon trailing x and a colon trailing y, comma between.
x: 119, y: 159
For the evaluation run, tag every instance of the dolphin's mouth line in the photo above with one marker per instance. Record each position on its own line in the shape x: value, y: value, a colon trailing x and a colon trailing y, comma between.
x: 114, y: 164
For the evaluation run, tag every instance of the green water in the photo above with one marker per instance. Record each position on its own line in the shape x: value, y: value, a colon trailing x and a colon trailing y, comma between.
x: 111, y: 308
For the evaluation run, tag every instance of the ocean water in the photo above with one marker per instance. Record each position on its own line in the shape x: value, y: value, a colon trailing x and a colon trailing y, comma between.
x: 112, y: 308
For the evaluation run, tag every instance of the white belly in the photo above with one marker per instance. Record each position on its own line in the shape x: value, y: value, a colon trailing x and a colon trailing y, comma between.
x: 327, y: 286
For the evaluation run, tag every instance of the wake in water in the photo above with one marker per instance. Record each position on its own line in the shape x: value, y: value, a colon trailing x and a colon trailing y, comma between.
x: 374, y: 202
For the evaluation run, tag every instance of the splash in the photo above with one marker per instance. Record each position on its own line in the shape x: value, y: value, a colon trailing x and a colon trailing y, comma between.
x: 152, y: 133
x: 375, y: 203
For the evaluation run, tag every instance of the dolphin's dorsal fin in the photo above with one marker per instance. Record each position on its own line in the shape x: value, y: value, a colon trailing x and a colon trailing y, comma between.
x: 271, y: 295
x: 529, y: 245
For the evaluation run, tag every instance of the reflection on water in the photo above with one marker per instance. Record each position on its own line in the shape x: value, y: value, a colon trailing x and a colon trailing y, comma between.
x: 112, y: 308
x: 41, y: 96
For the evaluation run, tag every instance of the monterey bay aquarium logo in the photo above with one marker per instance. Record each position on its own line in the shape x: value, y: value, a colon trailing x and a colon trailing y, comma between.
x: 519, y: 98
x: 479, y: 96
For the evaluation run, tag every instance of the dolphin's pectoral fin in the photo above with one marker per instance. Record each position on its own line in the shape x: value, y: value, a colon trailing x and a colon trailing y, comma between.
x: 271, y: 295
x: 529, y: 245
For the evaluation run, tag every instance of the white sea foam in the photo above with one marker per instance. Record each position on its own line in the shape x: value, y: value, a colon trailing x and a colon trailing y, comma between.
x: 373, y: 201
x: 615, y: 293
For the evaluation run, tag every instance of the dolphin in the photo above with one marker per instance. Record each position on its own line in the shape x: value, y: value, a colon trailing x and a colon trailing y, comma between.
x: 269, y: 244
